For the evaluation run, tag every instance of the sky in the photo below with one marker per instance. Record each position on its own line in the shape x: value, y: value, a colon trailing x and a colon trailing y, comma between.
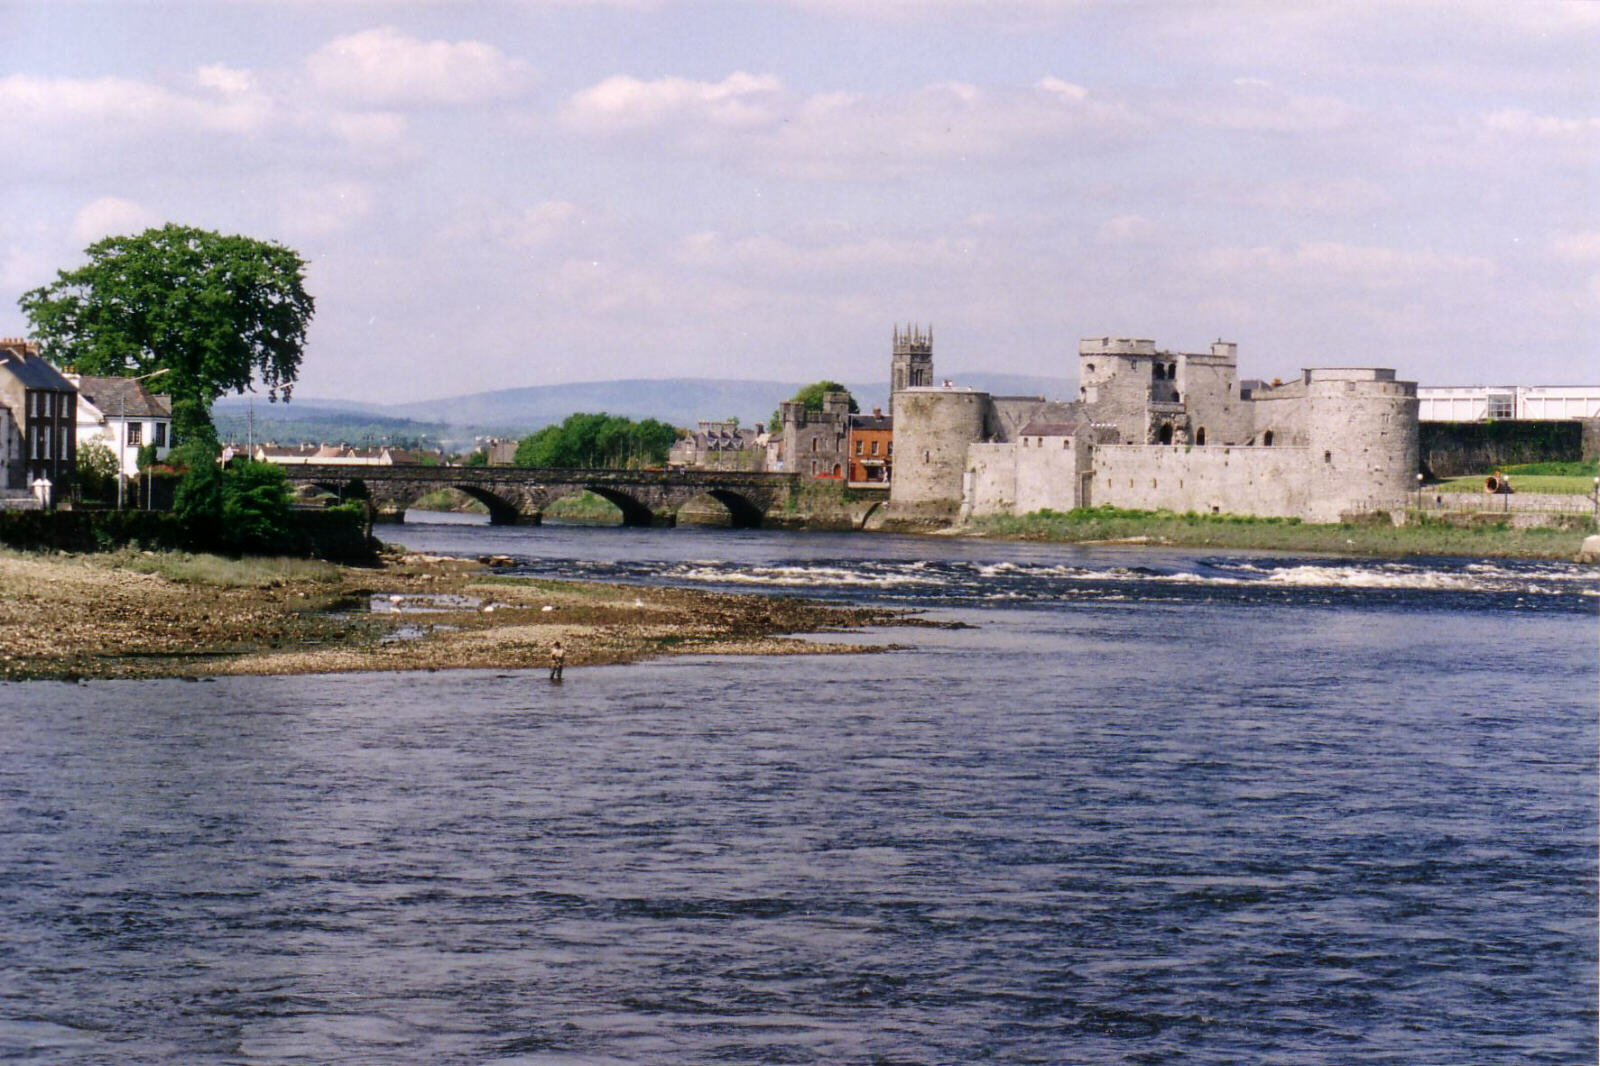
x: 490, y: 195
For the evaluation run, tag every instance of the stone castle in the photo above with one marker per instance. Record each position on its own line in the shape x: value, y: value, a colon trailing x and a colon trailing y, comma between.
x: 1152, y: 430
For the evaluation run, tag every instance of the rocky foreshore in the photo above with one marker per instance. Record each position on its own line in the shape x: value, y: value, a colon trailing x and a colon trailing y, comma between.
x: 141, y: 615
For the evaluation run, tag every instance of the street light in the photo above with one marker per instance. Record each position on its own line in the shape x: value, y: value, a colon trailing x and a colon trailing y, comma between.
x: 122, y: 440
x: 1597, y: 502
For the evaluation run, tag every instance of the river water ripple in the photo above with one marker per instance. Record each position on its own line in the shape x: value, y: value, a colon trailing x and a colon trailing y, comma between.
x: 1155, y: 808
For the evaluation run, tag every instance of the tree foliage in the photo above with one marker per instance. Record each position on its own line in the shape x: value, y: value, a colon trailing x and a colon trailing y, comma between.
x: 218, y: 312
x: 243, y: 508
x: 811, y: 395
x: 598, y: 440
x: 97, y: 470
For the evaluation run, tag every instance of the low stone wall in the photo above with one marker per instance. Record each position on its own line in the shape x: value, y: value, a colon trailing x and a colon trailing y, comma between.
x: 1508, y: 503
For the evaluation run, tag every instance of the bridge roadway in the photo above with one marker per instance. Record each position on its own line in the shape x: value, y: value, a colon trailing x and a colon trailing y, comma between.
x: 520, y: 494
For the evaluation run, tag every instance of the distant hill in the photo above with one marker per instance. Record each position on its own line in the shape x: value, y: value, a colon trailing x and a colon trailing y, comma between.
x: 455, y: 421
x: 320, y: 421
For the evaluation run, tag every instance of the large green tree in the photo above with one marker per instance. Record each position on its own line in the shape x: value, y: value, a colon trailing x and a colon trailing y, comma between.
x: 597, y: 440
x: 811, y: 395
x: 217, y: 312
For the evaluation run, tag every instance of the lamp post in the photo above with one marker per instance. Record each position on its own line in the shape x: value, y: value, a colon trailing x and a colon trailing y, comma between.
x: 1419, y: 494
x: 1596, y: 498
x: 122, y: 439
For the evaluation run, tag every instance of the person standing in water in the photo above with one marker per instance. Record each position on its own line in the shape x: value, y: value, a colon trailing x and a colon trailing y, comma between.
x: 558, y: 659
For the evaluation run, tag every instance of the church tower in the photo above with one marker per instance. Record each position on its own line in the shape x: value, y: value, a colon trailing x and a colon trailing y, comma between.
x: 912, y: 365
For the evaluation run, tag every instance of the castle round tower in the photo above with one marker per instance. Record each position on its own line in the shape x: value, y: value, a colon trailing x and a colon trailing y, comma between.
x: 1362, y: 432
x: 932, y: 428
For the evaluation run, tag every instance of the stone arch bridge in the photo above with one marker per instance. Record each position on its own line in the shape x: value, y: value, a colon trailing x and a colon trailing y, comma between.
x: 520, y: 494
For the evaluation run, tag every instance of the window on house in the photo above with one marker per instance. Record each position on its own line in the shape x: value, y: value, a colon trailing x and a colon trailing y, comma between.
x: 891, y: 447
x: 874, y: 447
x: 161, y: 435
x: 1502, y: 405
x: 135, y: 433
x: 859, y: 445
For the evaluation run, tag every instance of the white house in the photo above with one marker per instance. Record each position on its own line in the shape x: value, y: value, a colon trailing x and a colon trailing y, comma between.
x: 330, y: 454
x: 124, y: 416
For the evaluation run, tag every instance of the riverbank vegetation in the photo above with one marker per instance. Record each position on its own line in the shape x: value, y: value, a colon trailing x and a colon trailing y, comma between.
x: 156, y: 614
x: 1426, y: 535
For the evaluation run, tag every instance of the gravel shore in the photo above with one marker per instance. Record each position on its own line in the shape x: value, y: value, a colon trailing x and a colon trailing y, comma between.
x: 130, y: 615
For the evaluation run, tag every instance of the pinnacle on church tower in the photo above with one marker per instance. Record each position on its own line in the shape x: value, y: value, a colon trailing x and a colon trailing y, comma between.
x: 912, y: 364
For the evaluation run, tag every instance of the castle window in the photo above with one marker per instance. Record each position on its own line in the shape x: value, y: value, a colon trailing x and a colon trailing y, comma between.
x: 1200, y: 435
x: 1327, y: 457
x: 1065, y: 441
x: 1089, y: 367
x: 1266, y: 439
x: 1165, y: 436
x: 813, y: 445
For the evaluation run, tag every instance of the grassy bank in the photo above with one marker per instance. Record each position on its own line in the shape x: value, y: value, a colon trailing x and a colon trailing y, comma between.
x: 1574, y: 478
x: 1426, y: 537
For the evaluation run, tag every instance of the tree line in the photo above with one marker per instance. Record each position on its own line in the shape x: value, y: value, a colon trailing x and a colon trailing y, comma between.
x: 598, y: 440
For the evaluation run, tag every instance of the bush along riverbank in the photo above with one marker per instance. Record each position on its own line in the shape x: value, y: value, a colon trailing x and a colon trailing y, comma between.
x: 1420, y: 535
x: 336, y: 533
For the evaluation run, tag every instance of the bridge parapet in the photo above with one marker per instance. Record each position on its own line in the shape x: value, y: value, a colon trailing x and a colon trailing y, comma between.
x: 520, y: 494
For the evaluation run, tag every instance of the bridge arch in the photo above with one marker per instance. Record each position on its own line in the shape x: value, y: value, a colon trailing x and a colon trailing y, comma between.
x: 634, y: 511
x: 743, y: 513
x: 502, y: 512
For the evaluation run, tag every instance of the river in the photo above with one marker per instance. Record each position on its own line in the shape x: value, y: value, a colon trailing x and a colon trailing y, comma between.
x: 1147, y: 807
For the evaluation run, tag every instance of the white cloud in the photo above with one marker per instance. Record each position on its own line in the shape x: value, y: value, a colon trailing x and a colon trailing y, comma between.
x: 225, y: 79
x: 754, y: 120
x: 1254, y: 105
x: 768, y: 255
x: 1520, y: 122
x: 1126, y: 229
x: 1333, y: 196
x: 1064, y: 88
x: 540, y: 224
x: 1577, y: 246
x: 1333, y: 263
x: 622, y: 103
x: 110, y: 216
x: 320, y: 209
x: 386, y: 68
x: 121, y: 107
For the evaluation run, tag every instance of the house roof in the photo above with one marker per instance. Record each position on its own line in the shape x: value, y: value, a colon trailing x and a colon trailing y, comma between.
x: 115, y: 396
x: 883, y: 422
x: 23, y: 362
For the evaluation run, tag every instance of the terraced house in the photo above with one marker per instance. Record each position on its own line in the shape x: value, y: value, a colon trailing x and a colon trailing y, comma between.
x: 41, y: 422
